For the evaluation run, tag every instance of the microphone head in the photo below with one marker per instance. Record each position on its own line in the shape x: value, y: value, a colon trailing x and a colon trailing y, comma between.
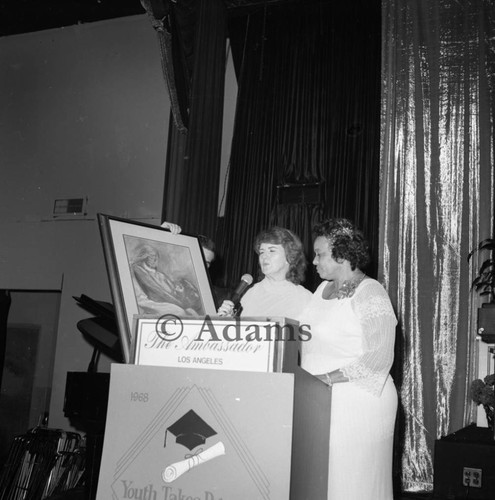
x: 247, y: 278
x: 243, y: 285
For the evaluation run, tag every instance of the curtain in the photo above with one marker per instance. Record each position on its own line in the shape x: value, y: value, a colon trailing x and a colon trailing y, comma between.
x: 192, y: 36
x: 306, y: 134
x: 436, y: 204
x: 197, y: 202
x: 175, y: 52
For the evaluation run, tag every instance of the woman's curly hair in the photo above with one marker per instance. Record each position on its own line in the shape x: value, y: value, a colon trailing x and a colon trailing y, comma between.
x: 294, y: 252
x: 347, y: 242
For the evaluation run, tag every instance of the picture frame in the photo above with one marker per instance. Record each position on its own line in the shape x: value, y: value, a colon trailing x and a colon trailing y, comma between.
x: 153, y: 272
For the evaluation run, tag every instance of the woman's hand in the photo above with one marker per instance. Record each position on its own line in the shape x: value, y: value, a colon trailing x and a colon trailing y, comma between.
x: 331, y: 378
x: 323, y: 377
x: 173, y: 228
x: 226, y: 309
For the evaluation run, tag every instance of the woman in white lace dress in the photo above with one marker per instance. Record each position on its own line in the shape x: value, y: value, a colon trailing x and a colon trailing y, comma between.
x: 351, y: 350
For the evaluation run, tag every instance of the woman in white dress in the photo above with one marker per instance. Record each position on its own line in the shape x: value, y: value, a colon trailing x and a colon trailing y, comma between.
x: 351, y: 349
x: 279, y: 293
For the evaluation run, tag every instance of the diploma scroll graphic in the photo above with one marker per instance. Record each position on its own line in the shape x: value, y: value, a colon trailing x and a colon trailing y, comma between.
x: 175, y: 470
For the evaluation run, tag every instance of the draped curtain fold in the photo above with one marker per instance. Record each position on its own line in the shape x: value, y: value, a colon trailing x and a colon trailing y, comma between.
x: 436, y: 204
x: 175, y: 51
x: 192, y: 36
x: 307, y: 117
x: 195, y: 204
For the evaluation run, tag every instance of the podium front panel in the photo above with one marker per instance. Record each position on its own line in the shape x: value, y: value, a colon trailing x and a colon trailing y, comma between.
x: 198, y: 434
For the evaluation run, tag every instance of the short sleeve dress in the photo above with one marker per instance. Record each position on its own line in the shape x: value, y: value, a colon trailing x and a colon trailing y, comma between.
x: 356, y: 334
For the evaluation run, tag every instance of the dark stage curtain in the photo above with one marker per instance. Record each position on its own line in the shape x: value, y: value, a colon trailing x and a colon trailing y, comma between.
x: 306, y: 134
x: 192, y: 35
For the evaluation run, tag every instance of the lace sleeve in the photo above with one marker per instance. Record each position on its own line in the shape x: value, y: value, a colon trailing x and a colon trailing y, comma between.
x: 372, y: 306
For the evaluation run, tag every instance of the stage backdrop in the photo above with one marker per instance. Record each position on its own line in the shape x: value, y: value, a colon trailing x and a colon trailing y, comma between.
x: 436, y: 201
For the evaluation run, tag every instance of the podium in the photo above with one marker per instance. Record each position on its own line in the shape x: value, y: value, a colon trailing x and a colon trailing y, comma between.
x: 189, y: 433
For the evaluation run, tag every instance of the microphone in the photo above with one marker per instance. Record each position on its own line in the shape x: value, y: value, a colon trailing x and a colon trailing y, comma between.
x: 244, y: 284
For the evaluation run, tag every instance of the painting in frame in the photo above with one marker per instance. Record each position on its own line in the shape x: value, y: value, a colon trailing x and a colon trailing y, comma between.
x: 153, y: 272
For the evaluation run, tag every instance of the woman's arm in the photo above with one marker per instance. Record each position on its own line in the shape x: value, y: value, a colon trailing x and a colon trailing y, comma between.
x: 372, y: 306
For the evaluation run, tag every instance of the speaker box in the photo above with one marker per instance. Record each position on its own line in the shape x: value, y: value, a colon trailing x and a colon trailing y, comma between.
x: 86, y: 398
x: 85, y: 404
x: 486, y: 322
x: 472, y: 448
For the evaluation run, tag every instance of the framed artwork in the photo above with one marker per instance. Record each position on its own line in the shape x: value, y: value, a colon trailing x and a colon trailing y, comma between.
x: 153, y: 272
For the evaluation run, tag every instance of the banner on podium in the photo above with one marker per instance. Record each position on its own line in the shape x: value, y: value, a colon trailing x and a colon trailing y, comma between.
x: 196, y: 434
x: 238, y: 344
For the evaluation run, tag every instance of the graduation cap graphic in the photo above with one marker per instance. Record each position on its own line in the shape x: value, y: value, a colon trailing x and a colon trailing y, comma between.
x: 190, y: 430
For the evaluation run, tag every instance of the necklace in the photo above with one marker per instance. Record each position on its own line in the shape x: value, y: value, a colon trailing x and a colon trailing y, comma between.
x: 346, y: 289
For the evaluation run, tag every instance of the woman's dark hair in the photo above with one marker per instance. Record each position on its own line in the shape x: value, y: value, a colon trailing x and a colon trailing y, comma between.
x: 206, y: 242
x: 347, y: 242
x: 294, y: 252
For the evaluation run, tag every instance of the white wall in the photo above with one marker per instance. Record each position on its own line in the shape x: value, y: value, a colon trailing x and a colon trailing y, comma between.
x: 84, y: 113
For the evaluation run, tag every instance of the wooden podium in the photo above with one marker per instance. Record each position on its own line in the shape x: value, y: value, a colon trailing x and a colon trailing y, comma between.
x: 189, y: 433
